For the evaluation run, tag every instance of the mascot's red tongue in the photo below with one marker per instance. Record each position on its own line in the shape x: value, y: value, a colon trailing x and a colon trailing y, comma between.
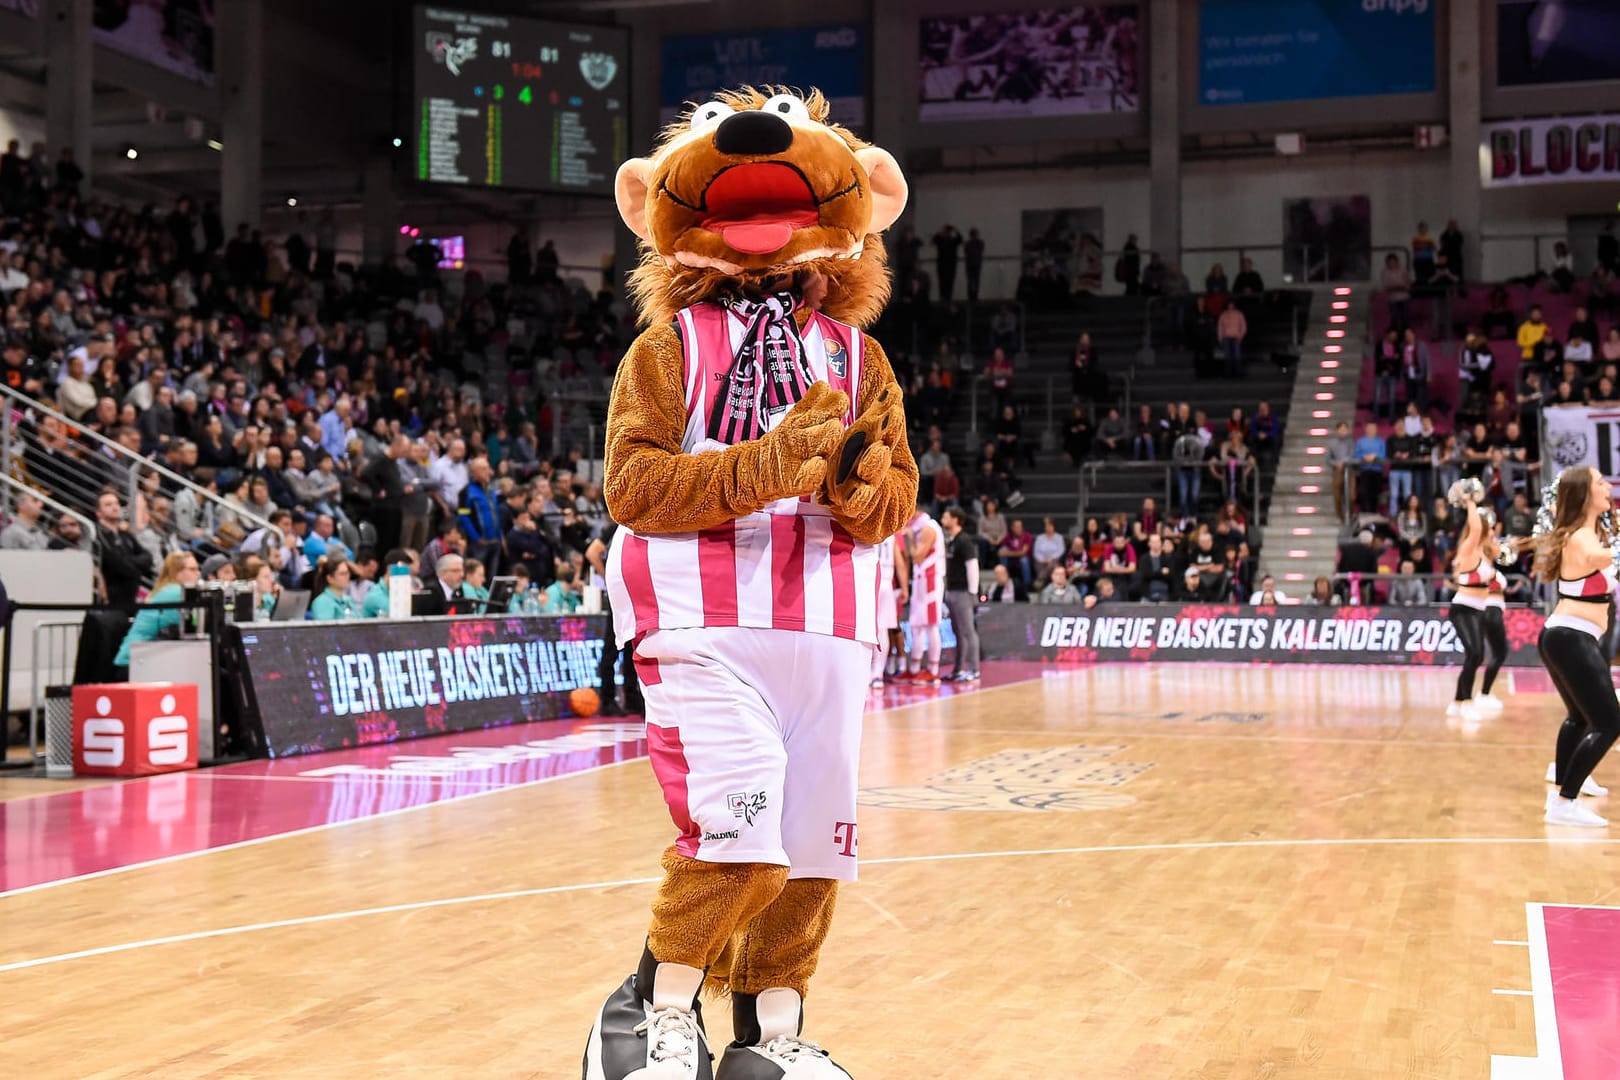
x: 755, y: 208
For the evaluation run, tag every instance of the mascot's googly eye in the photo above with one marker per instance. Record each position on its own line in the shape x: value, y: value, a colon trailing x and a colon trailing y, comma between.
x: 788, y: 107
x: 710, y: 115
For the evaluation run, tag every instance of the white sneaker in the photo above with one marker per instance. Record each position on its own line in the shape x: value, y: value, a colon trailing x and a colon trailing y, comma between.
x: 1589, y: 786
x: 877, y: 684
x: 770, y: 1023
x: 1571, y: 812
x: 1467, y: 710
x: 1488, y: 703
x: 651, y: 1036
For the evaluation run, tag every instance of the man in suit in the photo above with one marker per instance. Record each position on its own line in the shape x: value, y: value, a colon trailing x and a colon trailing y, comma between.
x: 444, y: 596
x: 1155, y: 576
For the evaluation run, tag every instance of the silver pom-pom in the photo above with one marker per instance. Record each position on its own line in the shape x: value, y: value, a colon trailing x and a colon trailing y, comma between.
x: 1465, y: 491
x: 1488, y: 516
x: 1507, y: 556
x: 1547, y: 512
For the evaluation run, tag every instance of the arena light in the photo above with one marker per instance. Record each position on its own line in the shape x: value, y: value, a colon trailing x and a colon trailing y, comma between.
x: 1319, y: 432
x: 1330, y: 364
x: 1304, y: 509
x: 292, y: 200
x: 1335, y: 333
x: 1316, y: 449
x: 1342, y: 290
x: 215, y: 145
x: 1304, y: 530
x: 1298, y: 553
x: 1333, y: 350
x: 131, y: 153
x: 1338, y: 318
x: 1310, y: 489
x: 1311, y: 470
x: 1341, y: 305
x: 398, y: 142
x: 1327, y: 380
x: 1324, y: 397
x: 1321, y: 414
x: 1292, y: 576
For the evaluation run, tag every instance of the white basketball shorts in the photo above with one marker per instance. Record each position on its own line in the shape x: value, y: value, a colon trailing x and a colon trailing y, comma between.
x: 755, y: 738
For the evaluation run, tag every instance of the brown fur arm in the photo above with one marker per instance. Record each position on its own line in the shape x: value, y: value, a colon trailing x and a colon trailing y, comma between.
x: 652, y: 487
x: 872, y: 512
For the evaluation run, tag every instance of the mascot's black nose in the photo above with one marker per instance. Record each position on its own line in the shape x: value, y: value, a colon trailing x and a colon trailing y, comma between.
x: 753, y: 132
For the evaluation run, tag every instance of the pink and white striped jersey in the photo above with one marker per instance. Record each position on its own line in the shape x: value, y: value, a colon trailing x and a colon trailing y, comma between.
x: 927, y: 572
x: 789, y: 566
x: 888, y: 602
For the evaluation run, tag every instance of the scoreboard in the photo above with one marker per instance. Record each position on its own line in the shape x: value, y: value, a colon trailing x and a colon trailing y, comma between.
x: 505, y: 101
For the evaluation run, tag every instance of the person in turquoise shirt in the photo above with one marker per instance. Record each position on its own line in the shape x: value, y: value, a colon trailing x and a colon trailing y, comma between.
x: 473, y: 585
x: 179, y: 572
x: 376, y: 605
x: 563, y: 596
x: 332, y: 601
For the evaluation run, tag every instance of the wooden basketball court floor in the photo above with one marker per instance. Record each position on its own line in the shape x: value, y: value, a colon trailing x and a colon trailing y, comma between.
x: 1121, y: 871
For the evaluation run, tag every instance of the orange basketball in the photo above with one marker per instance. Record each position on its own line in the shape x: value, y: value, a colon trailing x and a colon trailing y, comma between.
x: 584, y: 701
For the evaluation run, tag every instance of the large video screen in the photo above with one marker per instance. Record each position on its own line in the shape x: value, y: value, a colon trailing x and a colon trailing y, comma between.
x: 829, y: 58
x: 1045, y: 62
x: 1255, y: 51
x: 519, y: 103
x: 1540, y: 41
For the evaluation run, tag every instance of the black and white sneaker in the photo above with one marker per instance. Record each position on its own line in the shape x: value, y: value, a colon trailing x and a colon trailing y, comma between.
x: 651, y: 1028
x: 768, y: 1046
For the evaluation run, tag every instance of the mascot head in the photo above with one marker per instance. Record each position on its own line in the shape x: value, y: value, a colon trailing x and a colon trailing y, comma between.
x: 755, y: 189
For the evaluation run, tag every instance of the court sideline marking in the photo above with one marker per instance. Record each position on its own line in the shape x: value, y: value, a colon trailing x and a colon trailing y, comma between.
x: 419, y: 806
x: 552, y: 890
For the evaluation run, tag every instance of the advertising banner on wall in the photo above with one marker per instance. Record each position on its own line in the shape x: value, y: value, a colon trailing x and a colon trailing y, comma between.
x: 320, y: 686
x: 1556, y: 41
x: 1293, y: 633
x: 1583, y: 435
x: 829, y: 58
x: 1255, y: 51
x: 1044, y: 62
x: 175, y: 35
x: 1572, y: 149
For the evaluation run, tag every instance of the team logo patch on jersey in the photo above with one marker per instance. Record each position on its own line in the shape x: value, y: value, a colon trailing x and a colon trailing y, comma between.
x: 837, y: 359
x: 746, y: 807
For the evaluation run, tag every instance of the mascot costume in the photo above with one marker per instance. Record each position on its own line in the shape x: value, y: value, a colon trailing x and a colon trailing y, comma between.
x: 756, y: 454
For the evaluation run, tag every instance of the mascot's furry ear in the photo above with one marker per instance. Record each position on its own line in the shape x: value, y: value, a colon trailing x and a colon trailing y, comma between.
x: 630, y: 192
x: 889, y: 190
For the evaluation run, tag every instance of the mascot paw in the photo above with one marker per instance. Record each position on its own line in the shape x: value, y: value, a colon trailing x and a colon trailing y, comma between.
x: 863, y: 457
x: 807, y: 437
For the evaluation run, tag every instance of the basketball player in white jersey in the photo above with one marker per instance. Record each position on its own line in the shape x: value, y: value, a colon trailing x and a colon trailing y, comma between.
x: 894, y: 589
x: 925, y: 545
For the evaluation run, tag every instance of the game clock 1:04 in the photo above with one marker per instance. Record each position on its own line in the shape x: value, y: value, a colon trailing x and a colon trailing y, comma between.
x: 519, y: 103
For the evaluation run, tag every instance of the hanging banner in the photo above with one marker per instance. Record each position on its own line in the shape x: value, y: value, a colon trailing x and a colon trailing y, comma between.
x: 1552, y: 151
x: 1583, y: 435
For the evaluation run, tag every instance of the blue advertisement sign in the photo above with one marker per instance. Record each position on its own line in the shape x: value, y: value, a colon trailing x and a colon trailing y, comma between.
x: 1255, y: 51
x: 829, y: 58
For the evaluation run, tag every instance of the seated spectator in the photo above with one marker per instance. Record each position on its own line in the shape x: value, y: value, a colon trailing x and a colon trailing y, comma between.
x: 1411, y: 524
x: 322, y: 541
x: 1408, y: 590
x: 930, y: 463
x: 1077, y: 437
x: 947, y: 488
x: 1578, y: 350
x: 1047, y: 551
x: 25, y: 533
x: 1146, y: 521
x: 1002, y: 588
x: 1268, y: 595
x: 1015, y: 551
x: 1359, y: 556
x: 179, y: 573
x: 1265, y: 432
x: 563, y: 596
x: 1322, y: 592
x: 1059, y: 591
x: 332, y: 579
x: 1233, y: 467
x: 1111, y: 435
x: 1155, y: 572
x: 1120, y: 562
x: 444, y: 595
x: 376, y: 604
x: 1531, y: 333
x: 474, y: 585
x: 1076, y: 560
x: 1102, y: 594
x: 1011, y: 449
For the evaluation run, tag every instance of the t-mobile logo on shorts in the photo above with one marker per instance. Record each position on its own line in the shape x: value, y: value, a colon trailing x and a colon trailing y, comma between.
x: 844, y: 838
x: 746, y: 806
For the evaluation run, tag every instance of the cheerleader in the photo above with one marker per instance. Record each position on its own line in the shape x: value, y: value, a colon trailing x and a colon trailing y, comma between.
x: 1495, y: 628
x: 1473, y: 573
x: 1578, y: 559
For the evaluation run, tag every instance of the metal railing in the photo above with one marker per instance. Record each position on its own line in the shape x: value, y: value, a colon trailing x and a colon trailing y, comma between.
x: 1088, y: 470
x: 15, y: 488
x: 22, y: 422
